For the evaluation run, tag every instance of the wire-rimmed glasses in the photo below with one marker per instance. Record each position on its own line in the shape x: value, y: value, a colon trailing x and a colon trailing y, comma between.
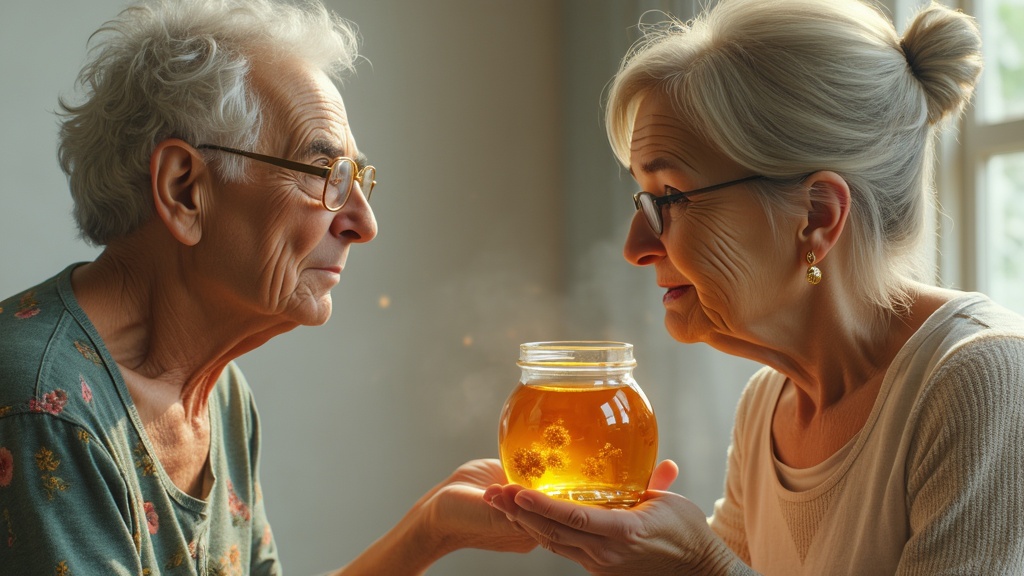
x: 651, y: 204
x: 339, y: 176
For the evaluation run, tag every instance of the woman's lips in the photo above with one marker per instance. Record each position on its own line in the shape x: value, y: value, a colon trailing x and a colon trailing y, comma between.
x: 674, y: 293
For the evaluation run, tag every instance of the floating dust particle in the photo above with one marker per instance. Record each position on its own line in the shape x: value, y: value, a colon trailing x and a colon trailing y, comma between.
x: 467, y: 340
x: 593, y: 468
x: 528, y: 464
x: 384, y: 301
x: 556, y: 436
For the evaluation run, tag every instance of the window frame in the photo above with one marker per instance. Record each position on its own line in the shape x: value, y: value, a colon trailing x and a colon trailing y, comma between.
x: 962, y: 154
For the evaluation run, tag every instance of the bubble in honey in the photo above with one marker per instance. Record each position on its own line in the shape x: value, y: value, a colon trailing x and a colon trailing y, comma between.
x: 556, y: 436
x: 593, y: 468
x: 556, y: 460
x: 609, y: 451
x: 528, y: 464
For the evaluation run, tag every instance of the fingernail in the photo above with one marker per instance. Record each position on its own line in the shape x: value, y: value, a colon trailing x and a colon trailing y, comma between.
x: 524, y: 501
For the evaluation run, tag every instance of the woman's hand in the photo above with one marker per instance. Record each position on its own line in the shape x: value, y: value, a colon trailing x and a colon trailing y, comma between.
x: 664, y: 534
x: 457, y: 512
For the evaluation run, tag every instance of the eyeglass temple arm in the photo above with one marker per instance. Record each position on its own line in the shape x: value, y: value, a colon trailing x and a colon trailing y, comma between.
x: 321, y: 171
x: 661, y: 200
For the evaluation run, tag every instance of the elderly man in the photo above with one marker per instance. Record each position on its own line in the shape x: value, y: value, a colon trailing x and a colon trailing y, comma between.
x: 212, y: 158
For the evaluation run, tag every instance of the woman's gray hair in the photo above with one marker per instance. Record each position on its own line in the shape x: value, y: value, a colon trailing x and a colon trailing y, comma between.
x: 178, y: 68
x: 789, y: 87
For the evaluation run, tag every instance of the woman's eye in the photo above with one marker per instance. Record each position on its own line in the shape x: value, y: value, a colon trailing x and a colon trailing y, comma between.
x: 677, y: 194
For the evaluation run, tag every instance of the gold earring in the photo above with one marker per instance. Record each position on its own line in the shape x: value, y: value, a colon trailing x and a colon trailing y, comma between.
x: 813, y: 273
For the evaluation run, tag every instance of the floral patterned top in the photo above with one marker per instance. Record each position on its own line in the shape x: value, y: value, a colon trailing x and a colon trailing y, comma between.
x: 81, y: 490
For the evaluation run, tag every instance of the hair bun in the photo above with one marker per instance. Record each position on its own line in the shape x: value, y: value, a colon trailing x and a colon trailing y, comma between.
x: 943, y: 51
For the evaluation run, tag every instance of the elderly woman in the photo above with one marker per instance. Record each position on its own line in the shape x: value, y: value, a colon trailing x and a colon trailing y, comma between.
x: 783, y: 148
x: 212, y: 159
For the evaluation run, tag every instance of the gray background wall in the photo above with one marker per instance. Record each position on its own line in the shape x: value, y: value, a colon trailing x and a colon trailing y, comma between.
x: 501, y: 213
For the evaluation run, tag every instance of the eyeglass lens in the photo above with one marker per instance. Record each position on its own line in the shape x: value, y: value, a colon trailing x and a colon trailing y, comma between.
x: 340, y: 180
x: 651, y: 211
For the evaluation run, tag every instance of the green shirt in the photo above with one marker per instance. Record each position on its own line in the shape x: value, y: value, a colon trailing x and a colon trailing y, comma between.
x: 81, y: 489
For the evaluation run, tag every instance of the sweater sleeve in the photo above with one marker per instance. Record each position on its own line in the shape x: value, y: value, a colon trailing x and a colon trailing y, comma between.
x: 728, y: 518
x: 964, y: 494
x: 64, y: 506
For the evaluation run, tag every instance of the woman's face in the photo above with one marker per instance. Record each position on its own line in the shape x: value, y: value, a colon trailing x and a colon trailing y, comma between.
x: 717, y: 257
x: 274, y: 249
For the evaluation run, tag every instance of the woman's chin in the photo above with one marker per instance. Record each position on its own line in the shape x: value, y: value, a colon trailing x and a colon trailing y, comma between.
x: 682, y: 330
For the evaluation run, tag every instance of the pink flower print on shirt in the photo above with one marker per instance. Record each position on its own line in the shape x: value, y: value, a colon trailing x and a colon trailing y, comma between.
x: 52, y: 402
x: 6, y: 467
x: 152, y: 519
x: 239, y: 510
x: 230, y: 563
x: 86, y: 391
x: 28, y: 306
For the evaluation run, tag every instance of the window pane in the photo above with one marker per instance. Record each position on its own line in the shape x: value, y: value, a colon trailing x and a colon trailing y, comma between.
x: 1002, y: 82
x: 1004, y: 189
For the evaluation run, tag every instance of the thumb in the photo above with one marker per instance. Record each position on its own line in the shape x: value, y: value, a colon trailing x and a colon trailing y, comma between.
x: 663, y: 476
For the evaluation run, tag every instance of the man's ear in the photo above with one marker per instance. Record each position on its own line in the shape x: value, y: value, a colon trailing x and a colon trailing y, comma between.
x: 828, y: 205
x: 176, y: 172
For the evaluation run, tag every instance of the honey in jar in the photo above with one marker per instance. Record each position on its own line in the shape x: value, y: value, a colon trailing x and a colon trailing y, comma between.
x: 577, y: 426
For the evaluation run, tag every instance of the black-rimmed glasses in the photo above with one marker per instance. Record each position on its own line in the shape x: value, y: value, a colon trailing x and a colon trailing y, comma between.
x: 651, y: 204
x: 339, y: 177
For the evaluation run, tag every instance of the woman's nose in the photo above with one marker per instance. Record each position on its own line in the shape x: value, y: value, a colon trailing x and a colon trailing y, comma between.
x: 355, y: 220
x: 643, y: 247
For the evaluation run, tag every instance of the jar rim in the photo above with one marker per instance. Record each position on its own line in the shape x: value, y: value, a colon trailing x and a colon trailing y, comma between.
x: 576, y: 353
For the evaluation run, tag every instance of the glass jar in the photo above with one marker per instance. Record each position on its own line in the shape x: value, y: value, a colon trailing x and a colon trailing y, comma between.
x: 577, y: 426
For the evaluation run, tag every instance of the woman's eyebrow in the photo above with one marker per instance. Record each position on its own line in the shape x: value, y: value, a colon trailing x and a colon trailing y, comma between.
x: 656, y: 165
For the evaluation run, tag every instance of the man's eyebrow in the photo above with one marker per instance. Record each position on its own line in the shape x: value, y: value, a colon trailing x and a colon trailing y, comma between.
x: 326, y: 148
x: 330, y: 150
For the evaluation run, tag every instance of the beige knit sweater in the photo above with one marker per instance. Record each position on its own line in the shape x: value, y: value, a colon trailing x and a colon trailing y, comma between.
x: 933, y: 483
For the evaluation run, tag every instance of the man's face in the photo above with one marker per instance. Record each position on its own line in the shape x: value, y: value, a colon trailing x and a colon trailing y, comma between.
x: 275, y: 249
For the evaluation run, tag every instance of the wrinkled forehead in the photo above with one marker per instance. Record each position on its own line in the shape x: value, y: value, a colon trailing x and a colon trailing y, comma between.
x: 302, y: 105
x: 661, y: 135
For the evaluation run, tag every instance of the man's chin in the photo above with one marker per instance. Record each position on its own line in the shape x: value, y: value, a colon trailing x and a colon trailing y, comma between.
x: 312, y: 312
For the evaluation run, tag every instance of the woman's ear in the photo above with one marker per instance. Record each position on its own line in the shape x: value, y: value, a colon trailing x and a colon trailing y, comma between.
x: 828, y: 205
x: 176, y: 171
